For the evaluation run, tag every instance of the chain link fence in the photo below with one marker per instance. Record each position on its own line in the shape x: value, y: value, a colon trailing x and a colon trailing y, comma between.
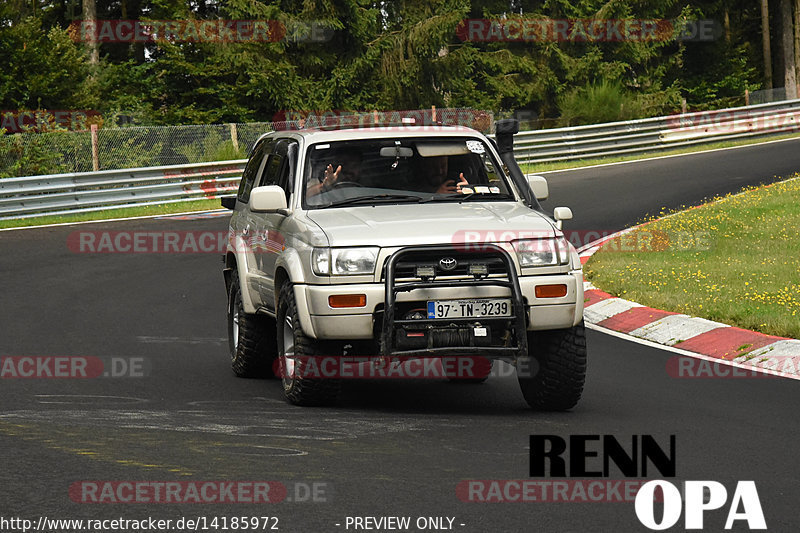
x: 33, y: 154
x: 30, y: 154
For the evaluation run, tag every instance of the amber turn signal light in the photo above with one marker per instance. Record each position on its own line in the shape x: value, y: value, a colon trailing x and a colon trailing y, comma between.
x: 551, y: 291
x: 338, y: 301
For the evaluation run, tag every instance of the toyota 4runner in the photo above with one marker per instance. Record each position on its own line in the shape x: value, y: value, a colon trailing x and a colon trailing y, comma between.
x: 400, y: 243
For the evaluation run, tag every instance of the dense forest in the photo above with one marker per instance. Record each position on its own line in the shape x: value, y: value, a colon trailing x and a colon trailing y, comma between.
x: 362, y: 55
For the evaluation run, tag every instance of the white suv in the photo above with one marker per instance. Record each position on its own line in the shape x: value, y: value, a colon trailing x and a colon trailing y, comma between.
x: 397, y: 243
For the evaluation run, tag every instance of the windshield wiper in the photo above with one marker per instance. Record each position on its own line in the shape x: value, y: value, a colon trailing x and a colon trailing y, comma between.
x: 459, y: 197
x: 377, y: 198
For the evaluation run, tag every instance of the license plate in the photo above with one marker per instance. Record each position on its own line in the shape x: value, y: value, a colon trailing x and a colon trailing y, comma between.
x: 469, y: 308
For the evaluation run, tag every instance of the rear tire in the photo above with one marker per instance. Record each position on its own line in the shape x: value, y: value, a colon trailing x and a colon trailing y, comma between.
x: 251, y: 338
x: 292, y: 346
x: 552, y: 377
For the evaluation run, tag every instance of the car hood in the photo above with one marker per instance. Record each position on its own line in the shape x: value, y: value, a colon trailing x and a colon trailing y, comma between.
x: 432, y: 223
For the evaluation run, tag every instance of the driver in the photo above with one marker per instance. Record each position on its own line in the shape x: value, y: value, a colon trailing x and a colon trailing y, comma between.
x: 345, y: 168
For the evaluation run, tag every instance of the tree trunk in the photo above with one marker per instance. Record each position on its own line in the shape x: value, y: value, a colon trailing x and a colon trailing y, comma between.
x: 787, y: 40
x: 797, y: 38
x: 765, y: 44
x: 90, y: 18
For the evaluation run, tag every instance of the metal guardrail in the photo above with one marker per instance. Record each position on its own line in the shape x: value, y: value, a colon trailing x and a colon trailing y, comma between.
x: 654, y: 134
x: 79, y: 192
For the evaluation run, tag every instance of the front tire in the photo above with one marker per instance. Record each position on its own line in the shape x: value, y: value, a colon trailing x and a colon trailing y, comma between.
x: 294, y: 350
x: 553, y: 376
x: 251, y: 338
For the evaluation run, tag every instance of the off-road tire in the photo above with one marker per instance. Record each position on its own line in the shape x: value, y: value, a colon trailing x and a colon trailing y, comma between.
x: 253, y: 353
x: 297, y: 389
x: 552, y: 376
x: 482, y: 368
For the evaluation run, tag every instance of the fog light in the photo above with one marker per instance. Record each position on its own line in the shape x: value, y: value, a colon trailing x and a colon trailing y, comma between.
x: 425, y: 272
x: 551, y: 291
x: 478, y: 270
x: 338, y: 301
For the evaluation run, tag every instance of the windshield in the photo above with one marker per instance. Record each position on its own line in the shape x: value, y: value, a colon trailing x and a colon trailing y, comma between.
x: 372, y: 171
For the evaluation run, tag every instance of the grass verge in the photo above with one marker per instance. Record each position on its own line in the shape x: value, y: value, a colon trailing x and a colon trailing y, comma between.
x: 157, y: 209
x: 562, y: 165
x: 735, y: 260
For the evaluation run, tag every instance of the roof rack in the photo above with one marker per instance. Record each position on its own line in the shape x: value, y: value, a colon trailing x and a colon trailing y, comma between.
x: 330, y: 121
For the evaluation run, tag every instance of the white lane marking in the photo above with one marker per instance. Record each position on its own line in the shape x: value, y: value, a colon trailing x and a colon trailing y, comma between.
x: 268, y: 422
x: 181, y: 340
x: 86, y: 399
x: 650, y: 344
x: 110, y: 220
x: 245, y: 449
x: 607, y: 308
x: 656, y: 158
x: 673, y: 329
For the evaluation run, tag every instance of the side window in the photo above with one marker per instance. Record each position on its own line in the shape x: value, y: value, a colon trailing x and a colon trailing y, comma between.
x: 280, y: 167
x: 271, y: 170
x: 251, y: 170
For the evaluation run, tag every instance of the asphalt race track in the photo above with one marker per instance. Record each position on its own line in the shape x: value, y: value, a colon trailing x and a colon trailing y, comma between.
x: 391, y: 448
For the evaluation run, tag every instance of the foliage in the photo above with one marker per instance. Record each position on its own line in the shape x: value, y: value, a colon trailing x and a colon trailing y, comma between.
x: 376, y: 55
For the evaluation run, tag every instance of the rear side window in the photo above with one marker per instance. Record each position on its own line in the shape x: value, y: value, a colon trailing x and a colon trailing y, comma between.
x: 253, y: 168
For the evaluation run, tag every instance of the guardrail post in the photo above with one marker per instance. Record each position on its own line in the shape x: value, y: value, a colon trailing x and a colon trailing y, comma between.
x: 95, y: 158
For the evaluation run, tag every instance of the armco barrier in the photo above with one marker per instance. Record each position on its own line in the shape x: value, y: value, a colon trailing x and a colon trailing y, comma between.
x: 95, y: 191
x: 653, y: 134
x: 78, y: 192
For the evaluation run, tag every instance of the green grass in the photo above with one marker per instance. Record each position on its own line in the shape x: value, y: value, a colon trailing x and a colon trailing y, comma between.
x: 561, y: 165
x: 158, y: 209
x: 735, y: 260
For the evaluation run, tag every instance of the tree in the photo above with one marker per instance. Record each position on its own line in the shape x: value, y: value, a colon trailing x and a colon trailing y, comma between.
x: 787, y: 38
x: 765, y: 44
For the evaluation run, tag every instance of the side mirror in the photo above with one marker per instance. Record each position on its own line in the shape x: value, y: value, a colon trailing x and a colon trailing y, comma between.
x: 561, y: 214
x: 267, y: 198
x: 539, y: 187
x: 228, y: 202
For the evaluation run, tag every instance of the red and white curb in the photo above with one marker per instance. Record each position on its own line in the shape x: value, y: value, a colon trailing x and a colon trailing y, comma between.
x: 693, y: 335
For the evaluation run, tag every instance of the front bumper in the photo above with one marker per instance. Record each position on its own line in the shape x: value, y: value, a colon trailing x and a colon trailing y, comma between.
x: 321, y: 321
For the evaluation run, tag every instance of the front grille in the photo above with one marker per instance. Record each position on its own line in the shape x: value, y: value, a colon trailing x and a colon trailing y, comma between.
x: 406, y: 269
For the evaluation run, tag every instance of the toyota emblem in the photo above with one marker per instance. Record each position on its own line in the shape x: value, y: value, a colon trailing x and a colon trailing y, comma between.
x: 447, y: 263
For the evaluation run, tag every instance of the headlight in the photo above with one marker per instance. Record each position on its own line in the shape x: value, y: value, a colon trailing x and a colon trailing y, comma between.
x: 343, y: 261
x: 538, y: 252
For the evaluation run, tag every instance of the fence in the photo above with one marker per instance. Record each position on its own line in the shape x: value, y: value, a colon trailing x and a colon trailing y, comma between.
x: 51, y: 152
x: 34, y: 196
x: 128, y: 147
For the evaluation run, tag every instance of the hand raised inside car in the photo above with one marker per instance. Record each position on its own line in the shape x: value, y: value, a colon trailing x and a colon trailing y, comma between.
x: 450, y: 186
x: 331, y: 176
